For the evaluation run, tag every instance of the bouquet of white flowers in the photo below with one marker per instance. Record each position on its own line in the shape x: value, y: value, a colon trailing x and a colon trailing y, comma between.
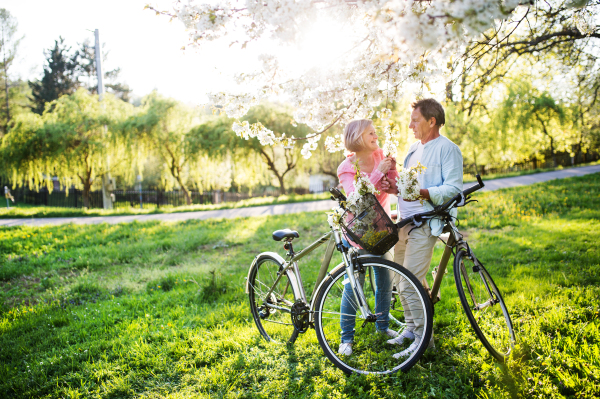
x: 408, y: 182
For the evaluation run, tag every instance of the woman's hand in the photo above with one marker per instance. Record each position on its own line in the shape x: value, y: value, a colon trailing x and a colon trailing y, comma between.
x: 385, y: 165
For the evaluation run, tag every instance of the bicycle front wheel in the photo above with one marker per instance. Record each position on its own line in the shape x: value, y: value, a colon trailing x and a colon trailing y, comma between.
x: 338, y: 317
x: 271, y: 300
x: 484, y: 306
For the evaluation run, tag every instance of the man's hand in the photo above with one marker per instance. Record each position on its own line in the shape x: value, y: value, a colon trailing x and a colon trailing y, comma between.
x: 388, y: 186
x: 424, y: 195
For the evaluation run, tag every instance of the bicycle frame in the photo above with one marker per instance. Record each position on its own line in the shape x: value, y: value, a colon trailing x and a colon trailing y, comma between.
x: 455, y: 240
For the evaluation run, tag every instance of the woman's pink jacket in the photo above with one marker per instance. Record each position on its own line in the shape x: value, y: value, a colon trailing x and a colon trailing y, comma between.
x: 346, y: 174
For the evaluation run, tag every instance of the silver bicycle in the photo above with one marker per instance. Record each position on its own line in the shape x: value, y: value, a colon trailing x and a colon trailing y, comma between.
x: 282, y: 311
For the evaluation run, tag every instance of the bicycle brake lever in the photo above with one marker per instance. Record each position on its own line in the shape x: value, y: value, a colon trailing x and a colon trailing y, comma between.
x: 468, y: 202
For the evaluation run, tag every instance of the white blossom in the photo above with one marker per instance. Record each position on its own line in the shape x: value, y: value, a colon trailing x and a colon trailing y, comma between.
x: 408, y: 184
x: 395, y: 42
x: 334, y: 144
x: 390, y: 144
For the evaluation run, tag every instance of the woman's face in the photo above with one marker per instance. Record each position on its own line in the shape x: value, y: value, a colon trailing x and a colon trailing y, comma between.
x: 370, y: 139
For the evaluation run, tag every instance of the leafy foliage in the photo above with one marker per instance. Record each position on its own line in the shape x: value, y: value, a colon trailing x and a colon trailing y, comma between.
x: 59, y: 78
x: 69, y: 141
x: 12, y: 90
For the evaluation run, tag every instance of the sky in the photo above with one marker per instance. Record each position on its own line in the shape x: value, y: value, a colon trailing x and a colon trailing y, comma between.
x: 145, y: 46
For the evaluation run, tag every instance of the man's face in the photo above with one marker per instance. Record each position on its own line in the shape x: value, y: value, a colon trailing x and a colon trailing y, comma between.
x: 419, y: 125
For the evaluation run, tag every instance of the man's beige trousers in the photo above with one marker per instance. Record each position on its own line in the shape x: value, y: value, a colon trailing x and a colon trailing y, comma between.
x: 414, y: 252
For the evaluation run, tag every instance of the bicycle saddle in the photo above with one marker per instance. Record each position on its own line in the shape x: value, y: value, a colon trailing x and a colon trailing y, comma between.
x: 285, y: 233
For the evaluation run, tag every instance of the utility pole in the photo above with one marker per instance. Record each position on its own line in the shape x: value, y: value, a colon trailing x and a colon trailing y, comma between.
x: 107, y: 183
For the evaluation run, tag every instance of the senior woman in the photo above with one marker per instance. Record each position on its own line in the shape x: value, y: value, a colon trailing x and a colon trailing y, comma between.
x: 360, y: 138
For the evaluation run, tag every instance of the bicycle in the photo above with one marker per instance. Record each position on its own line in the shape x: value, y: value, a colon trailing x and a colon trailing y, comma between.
x: 280, y: 308
x: 479, y: 296
x: 282, y: 311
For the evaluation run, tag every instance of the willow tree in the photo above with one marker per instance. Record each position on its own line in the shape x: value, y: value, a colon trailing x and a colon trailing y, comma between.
x: 71, y: 140
x: 539, y: 119
x: 219, y: 138
x: 162, y: 127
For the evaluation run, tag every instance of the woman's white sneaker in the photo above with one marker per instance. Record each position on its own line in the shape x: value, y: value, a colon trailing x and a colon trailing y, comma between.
x: 399, y: 340
x: 345, y: 349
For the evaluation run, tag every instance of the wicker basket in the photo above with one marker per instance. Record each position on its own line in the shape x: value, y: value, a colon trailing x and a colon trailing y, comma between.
x: 372, y: 228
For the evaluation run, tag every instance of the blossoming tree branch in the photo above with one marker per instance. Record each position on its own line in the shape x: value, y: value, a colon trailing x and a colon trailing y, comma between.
x: 393, y: 43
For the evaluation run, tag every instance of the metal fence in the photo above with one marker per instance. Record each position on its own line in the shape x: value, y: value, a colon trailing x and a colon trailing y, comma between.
x: 145, y: 199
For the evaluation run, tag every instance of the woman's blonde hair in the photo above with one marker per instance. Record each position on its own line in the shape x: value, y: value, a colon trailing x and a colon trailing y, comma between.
x: 353, y: 132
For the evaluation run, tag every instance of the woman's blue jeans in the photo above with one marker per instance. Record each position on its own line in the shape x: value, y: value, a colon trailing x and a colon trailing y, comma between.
x: 383, y: 297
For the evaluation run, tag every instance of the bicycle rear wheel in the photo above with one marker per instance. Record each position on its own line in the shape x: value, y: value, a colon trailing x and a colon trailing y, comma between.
x: 371, y: 354
x: 274, y: 324
x: 484, y: 306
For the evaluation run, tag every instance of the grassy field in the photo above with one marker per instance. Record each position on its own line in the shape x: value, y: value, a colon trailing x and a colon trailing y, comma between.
x: 29, y: 211
x: 158, y: 310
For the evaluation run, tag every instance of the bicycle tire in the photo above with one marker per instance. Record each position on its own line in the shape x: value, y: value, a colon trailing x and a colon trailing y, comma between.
x: 492, y: 323
x: 371, y: 354
x: 274, y: 325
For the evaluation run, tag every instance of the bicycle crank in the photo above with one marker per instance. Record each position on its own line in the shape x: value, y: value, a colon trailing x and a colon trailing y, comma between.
x: 300, y: 316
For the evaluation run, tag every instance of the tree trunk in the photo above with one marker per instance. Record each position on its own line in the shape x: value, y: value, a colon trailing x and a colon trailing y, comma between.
x: 551, y: 139
x: 87, y: 186
x: 281, y: 184
x: 271, y: 165
x: 554, y: 162
x: 186, y: 193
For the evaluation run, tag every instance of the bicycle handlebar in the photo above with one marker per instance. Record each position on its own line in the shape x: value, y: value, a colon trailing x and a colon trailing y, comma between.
x: 438, y: 209
x: 474, y: 188
x: 336, y: 194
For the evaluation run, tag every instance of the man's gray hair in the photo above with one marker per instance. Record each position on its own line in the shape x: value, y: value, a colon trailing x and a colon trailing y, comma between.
x: 430, y: 108
x: 353, y: 132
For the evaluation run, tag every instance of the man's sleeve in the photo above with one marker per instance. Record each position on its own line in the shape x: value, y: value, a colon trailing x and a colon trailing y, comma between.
x: 452, y: 177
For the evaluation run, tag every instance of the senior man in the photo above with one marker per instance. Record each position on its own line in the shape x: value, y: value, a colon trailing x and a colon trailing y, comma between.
x: 442, y: 180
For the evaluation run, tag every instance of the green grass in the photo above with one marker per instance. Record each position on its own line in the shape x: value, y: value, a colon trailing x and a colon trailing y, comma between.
x: 158, y: 309
x: 29, y: 211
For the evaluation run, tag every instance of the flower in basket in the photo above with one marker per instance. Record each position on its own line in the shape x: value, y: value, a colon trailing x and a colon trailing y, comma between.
x: 408, y: 182
x: 334, y: 217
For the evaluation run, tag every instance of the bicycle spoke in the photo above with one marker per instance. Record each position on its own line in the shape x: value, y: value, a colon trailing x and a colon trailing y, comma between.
x: 266, y: 296
x: 370, y: 350
x: 484, y: 307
